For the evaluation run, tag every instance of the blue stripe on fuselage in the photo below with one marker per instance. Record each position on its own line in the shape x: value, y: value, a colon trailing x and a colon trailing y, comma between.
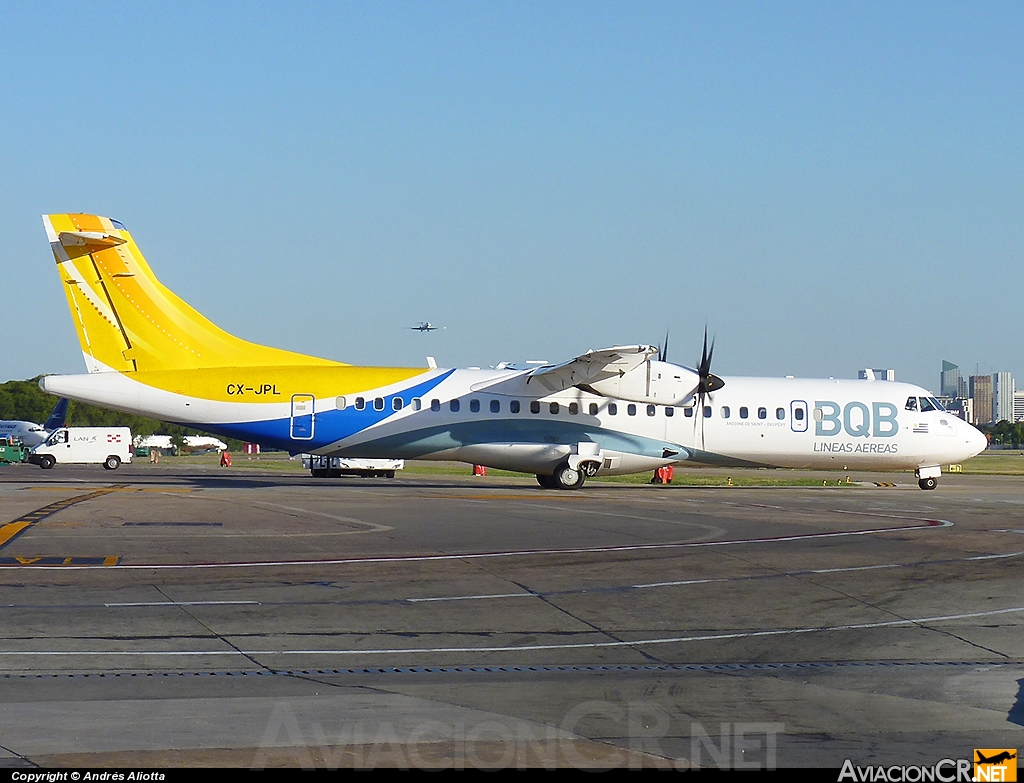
x: 329, y: 426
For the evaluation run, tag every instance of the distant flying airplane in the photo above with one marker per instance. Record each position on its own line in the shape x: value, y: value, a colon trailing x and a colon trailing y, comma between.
x: 624, y: 409
x: 425, y: 326
x: 31, y: 434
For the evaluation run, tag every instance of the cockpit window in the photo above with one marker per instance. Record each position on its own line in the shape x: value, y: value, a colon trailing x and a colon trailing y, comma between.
x: 938, y: 405
x: 911, y: 403
x: 926, y: 405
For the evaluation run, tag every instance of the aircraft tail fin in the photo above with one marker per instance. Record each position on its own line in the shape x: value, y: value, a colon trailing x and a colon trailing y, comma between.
x: 57, y: 416
x: 127, y: 320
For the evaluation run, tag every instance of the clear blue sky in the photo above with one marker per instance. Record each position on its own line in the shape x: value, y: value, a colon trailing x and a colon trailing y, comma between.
x: 827, y: 186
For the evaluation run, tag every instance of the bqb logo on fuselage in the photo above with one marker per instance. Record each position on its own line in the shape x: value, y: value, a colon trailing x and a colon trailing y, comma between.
x: 856, y: 419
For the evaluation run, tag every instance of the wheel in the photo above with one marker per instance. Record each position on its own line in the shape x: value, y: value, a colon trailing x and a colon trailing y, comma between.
x: 927, y: 483
x: 548, y: 482
x: 389, y: 474
x: 568, y: 478
x: 46, y: 462
x: 112, y: 462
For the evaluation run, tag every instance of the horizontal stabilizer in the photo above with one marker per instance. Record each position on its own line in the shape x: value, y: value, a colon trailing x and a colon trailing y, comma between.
x: 127, y: 320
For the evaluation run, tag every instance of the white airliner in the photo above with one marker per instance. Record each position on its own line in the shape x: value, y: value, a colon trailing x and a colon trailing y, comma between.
x: 31, y: 434
x: 612, y: 411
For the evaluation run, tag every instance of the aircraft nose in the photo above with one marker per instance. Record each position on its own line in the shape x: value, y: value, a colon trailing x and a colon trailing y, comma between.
x: 976, y: 440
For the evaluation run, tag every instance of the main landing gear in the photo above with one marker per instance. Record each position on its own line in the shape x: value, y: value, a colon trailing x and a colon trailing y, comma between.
x: 564, y: 477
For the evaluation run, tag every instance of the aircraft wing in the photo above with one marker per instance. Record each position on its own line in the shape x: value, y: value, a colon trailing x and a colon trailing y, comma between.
x: 593, y: 366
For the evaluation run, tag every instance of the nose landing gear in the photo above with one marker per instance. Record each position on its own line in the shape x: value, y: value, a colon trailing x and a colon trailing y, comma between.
x: 928, y: 478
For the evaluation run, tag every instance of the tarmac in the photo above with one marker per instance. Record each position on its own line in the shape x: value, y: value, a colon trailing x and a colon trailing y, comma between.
x: 243, y: 618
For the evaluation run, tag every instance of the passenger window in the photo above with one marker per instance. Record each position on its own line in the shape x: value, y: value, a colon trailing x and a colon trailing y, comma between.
x: 514, y: 406
x: 725, y: 411
x: 798, y: 414
x: 593, y: 409
x: 534, y: 406
x: 573, y: 408
x: 707, y: 411
x: 780, y: 413
x: 670, y: 411
x: 435, y: 405
x: 631, y: 409
x: 762, y: 413
x: 819, y: 414
x: 474, y: 406
x: 378, y: 403
x: 651, y: 410
x: 340, y: 403
x: 495, y: 406
x: 744, y: 412
x: 360, y: 403
x: 397, y: 403
x: 454, y: 406
x: 417, y: 403
x: 688, y: 412
x: 612, y: 408
x: 911, y: 403
x: 553, y: 407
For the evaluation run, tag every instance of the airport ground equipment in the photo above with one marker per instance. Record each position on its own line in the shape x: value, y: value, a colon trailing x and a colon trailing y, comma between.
x: 11, y: 450
x: 333, y: 467
x: 107, y: 446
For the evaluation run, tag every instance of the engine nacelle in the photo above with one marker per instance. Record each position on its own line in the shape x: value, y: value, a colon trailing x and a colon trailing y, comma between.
x: 660, y: 383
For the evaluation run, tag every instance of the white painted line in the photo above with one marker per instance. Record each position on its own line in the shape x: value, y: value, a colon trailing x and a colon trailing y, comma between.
x: 181, y: 603
x: 927, y: 524
x: 527, y: 647
x: 772, y: 575
x: 471, y: 597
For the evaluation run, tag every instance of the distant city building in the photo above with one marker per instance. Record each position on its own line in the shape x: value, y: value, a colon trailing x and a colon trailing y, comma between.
x: 1018, y: 406
x: 951, y: 382
x: 958, y: 406
x: 1002, y: 396
x: 981, y: 394
x: 878, y: 375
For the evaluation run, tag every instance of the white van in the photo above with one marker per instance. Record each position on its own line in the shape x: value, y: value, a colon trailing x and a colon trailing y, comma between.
x: 84, y: 446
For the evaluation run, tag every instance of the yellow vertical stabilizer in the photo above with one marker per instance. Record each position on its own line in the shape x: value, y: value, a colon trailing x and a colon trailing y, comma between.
x: 127, y: 320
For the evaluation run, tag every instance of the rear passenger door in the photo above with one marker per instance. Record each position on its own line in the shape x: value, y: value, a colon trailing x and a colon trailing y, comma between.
x: 302, y: 417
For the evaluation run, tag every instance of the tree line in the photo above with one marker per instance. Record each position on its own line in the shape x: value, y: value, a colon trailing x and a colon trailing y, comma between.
x: 1004, y: 433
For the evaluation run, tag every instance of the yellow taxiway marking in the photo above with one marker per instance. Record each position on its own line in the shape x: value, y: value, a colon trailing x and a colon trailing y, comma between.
x: 16, y: 527
x: 49, y: 561
x: 9, y: 531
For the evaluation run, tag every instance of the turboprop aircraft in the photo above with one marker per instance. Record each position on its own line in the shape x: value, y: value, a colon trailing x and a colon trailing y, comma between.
x: 32, y: 434
x: 425, y: 326
x: 619, y: 410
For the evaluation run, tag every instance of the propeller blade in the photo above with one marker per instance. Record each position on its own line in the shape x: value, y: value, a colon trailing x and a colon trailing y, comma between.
x: 706, y: 382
